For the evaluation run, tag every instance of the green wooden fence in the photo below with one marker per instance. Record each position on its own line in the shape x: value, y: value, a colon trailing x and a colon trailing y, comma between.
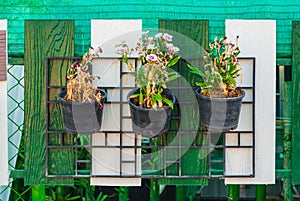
x: 150, y: 12
x: 34, y: 167
x: 49, y: 38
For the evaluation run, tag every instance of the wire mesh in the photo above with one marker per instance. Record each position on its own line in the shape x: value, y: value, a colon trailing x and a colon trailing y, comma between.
x: 15, y: 190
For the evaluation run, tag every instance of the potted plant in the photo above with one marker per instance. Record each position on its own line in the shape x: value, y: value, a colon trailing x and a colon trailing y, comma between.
x: 82, y: 101
x: 219, y: 98
x: 151, y: 103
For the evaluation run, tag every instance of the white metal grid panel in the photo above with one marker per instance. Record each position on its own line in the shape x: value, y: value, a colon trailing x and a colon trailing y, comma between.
x: 106, y: 161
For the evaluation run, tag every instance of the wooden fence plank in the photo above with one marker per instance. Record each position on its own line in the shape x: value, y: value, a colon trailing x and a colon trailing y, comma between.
x: 44, y: 38
x: 287, y: 182
x: 296, y: 103
x: 3, y: 59
x: 187, y: 34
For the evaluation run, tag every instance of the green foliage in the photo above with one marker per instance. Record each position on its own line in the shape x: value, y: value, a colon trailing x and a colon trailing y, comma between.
x: 157, y: 55
x: 82, y: 191
x: 221, y: 67
x: 123, y: 193
x: 101, y: 197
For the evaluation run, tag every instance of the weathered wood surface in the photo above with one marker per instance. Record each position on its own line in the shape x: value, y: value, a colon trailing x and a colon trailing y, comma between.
x: 191, y: 36
x: 214, y: 11
x: 287, y: 140
x: 44, y: 38
x: 296, y: 103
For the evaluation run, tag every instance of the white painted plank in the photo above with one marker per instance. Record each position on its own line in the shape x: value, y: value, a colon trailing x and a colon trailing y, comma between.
x: 3, y: 134
x: 245, y: 121
x: 258, y: 39
x: 107, y: 181
x: 108, y: 33
x: 106, y: 161
x: 4, y: 124
x: 242, y: 161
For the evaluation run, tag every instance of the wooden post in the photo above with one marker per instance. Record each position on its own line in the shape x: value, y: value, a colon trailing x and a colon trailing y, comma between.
x: 154, y: 190
x: 183, y: 31
x: 233, y: 192
x: 45, y: 38
x: 295, y: 120
x: 180, y: 193
x: 287, y: 181
x: 260, y: 192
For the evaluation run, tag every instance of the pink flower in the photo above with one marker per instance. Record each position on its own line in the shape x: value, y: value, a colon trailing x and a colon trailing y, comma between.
x: 151, y: 46
x: 167, y: 37
x: 172, y: 50
x: 158, y: 35
x: 169, y: 45
x: 121, y: 50
x: 151, y: 57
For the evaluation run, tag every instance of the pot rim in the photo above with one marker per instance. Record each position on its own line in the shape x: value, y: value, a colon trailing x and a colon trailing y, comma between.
x: 197, y: 91
x: 148, y: 109
x: 60, y: 98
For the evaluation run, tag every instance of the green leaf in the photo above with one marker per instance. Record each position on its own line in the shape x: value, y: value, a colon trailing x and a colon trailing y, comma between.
x: 160, y: 90
x: 73, y: 198
x: 173, y: 77
x: 201, y: 84
x: 157, y: 97
x: 173, y: 61
x: 195, y: 70
x: 102, y: 197
x: 141, y: 98
x: 53, y: 194
x: 134, y: 96
x: 167, y: 101
x: 205, y: 90
x: 232, y: 68
x: 231, y: 80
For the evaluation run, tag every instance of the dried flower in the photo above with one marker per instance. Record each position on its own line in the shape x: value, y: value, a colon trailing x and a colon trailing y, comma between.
x: 80, y: 87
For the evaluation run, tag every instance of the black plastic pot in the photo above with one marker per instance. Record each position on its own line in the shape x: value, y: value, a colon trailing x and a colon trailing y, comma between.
x: 219, y: 114
x: 84, y: 118
x: 149, y: 122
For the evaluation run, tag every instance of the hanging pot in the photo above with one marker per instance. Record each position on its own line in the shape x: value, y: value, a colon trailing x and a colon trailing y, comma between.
x: 84, y: 118
x: 149, y: 122
x: 219, y: 114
